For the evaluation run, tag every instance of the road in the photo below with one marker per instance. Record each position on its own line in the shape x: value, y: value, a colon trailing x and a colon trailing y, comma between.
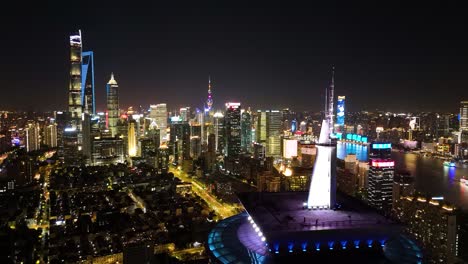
x: 137, y: 200
x: 224, y: 210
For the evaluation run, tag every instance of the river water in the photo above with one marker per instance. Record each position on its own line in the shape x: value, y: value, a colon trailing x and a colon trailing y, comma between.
x: 430, y: 175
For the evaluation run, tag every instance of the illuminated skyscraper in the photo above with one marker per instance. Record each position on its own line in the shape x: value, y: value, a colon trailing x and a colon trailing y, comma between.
x: 195, y: 147
x: 232, y: 128
x: 112, y: 105
x: 75, y: 103
x: 269, y: 131
x: 340, y: 114
x: 159, y: 114
x: 246, y: 130
x: 132, y: 141
x: 184, y: 114
x: 87, y: 83
x: 32, y: 136
x: 380, y: 177
x: 219, y: 131
x: 51, y: 135
x: 209, y: 100
x: 322, y: 192
x: 464, y: 115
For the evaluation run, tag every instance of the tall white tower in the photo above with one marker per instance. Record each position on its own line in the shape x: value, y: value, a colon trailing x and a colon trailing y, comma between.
x: 322, y: 191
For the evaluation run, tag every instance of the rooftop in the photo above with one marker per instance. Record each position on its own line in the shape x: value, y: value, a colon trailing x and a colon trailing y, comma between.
x: 278, y: 212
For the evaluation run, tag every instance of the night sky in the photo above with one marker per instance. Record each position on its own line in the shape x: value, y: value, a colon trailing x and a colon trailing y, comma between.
x: 399, y: 58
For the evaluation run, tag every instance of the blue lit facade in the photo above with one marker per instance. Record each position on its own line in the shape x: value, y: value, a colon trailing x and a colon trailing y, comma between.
x: 293, y: 126
x: 357, y: 138
x: 340, y: 112
x: 87, y: 82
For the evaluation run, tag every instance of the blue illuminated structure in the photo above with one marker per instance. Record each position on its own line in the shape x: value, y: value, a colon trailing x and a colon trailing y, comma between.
x: 340, y: 111
x: 293, y: 125
x: 356, y: 138
x: 87, y: 82
x: 382, y: 146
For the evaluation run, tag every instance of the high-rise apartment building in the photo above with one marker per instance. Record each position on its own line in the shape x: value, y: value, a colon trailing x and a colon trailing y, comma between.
x: 32, y: 136
x: 112, y: 105
x: 463, y: 115
x: 433, y: 223
x: 51, y: 135
x: 232, y: 126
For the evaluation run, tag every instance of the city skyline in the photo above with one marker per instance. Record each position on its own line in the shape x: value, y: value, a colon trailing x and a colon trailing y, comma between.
x: 255, y: 56
x: 154, y: 133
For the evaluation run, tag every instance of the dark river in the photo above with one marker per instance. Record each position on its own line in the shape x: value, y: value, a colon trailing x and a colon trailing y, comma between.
x: 430, y: 175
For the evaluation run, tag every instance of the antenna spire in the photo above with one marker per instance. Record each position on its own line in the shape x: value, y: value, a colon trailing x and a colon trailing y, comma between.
x: 209, y: 100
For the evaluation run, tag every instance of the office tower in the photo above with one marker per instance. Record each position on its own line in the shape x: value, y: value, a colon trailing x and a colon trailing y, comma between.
x: 269, y: 131
x: 51, y: 135
x: 195, y: 147
x: 61, y: 118
x: 261, y: 129
x: 463, y: 115
x: 201, y: 121
x: 108, y: 151
x: 212, y: 143
x: 322, y: 192
x: 71, y: 148
x: 75, y: 103
x: 246, y: 130
x: 219, y: 131
x: 148, y: 150
x: 274, y: 133
x: 232, y: 130
x: 210, y: 155
x: 340, y: 114
x: 183, y: 114
x: 163, y: 158
x: 87, y: 138
x: 132, y: 140
x: 112, y: 105
x: 87, y: 82
x: 180, y: 141
x: 32, y: 136
x: 380, y: 177
x: 122, y: 131
x: 154, y: 133
x: 209, y: 100
x: 159, y: 114
x: 185, y: 138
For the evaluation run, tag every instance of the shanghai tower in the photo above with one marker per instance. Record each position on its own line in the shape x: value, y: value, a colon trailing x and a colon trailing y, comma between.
x: 75, y: 104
